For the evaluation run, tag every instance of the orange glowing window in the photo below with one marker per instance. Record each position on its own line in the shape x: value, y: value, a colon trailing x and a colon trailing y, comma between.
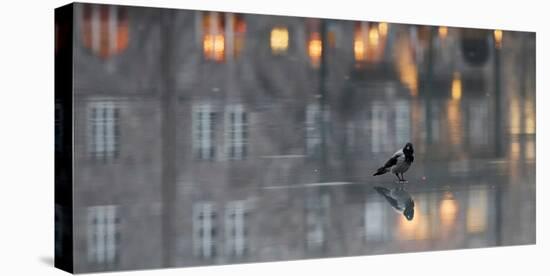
x: 455, y: 123
x: 498, y: 38
x: 105, y: 29
x: 374, y: 37
x: 448, y: 209
x: 406, y: 65
x: 443, y: 32
x: 477, y: 213
x: 331, y: 38
x: 315, y: 48
x: 239, y: 27
x: 214, y: 46
x: 369, y: 42
x: 456, y: 86
x: 279, y: 40
x: 359, y: 49
x: 417, y: 228
x: 214, y: 36
x: 220, y: 42
x: 383, y: 28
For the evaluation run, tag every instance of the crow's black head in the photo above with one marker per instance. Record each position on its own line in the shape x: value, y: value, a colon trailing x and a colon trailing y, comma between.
x: 408, y: 149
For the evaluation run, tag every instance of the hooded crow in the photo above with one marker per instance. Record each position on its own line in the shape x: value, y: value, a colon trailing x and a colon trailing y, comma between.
x: 399, y: 199
x: 399, y: 162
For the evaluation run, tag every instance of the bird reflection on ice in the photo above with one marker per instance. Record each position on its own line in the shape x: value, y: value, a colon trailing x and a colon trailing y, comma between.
x: 399, y: 199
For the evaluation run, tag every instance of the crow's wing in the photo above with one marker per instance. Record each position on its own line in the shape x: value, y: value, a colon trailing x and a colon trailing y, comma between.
x: 393, y: 160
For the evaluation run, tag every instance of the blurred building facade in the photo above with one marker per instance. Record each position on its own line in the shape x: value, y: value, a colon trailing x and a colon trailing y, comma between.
x: 209, y: 138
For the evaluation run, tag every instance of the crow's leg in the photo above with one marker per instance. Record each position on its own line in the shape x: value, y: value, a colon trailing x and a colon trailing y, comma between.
x: 403, y: 178
x: 399, y: 179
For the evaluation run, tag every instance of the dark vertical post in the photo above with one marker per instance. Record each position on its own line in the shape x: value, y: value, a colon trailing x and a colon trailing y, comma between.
x: 427, y: 91
x: 320, y: 206
x: 323, y: 100
x: 498, y: 102
x: 499, y: 136
x: 168, y: 131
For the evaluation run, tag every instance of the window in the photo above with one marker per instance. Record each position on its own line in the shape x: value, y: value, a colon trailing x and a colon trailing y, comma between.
x: 214, y: 36
x: 375, y: 221
x: 236, y: 133
x: 223, y: 35
x: 204, y: 230
x: 103, y: 234
x: 103, y: 131
x: 236, y: 228
x: 402, y: 122
x: 418, y: 228
x: 313, y: 129
x: 279, y: 40
x: 203, y: 132
x: 478, y: 122
x: 379, y: 128
x: 104, y: 29
x: 317, y: 220
x: 434, y: 120
x: 477, y: 212
x: 315, y: 49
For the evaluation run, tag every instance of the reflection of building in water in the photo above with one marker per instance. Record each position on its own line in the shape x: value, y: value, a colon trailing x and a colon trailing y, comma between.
x: 418, y: 228
x: 254, y: 114
x: 448, y: 209
x: 317, y: 221
x: 375, y: 220
x: 476, y: 216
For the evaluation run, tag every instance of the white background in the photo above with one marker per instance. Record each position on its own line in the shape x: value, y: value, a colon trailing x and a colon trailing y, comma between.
x: 27, y: 138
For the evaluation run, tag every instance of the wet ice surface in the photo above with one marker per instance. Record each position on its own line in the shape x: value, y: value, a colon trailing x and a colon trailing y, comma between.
x: 264, y: 150
x: 466, y: 204
x: 450, y: 211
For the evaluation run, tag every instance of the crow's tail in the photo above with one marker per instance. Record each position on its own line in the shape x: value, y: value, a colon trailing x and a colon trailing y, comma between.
x: 380, y: 171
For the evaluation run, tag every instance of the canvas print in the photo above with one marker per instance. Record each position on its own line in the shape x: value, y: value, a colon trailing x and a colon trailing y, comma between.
x: 193, y: 138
